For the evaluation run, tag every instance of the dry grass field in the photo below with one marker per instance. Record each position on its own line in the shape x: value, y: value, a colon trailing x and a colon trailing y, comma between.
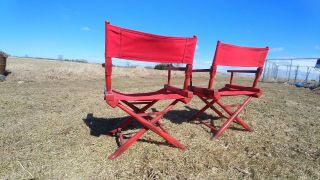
x: 53, y: 119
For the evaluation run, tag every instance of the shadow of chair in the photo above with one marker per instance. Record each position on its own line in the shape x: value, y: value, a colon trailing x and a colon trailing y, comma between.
x: 102, y: 126
x: 183, y: 116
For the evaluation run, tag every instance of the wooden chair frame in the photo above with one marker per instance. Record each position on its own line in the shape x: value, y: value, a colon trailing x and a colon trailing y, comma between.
x: 135, y: 45
x: 230, y: 55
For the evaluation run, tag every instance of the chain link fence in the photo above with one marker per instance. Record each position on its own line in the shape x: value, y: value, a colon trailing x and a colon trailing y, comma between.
x: 292, y: 71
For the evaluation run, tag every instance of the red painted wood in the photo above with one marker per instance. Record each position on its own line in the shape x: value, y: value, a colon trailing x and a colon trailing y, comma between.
x: 212, y: 75
x: 237, y: 56
x: 242, y: 71
x: 147, y: 125
x: 169, y: 76
x: 231, y: 78
x: 135, y: 45
x: 177, y: 68
x: 129, y: 119
x: 230, y: 120
x: 157, y: 95
x: 201, y: 70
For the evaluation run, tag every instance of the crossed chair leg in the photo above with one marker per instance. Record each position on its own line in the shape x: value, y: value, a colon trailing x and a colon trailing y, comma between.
x: 233, y: 116
x: 147, y: 121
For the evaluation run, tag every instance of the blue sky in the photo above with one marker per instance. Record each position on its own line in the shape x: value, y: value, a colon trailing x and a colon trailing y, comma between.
x: 75, y: 29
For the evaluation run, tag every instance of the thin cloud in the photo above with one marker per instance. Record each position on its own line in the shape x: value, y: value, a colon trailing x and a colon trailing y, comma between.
x: 277, y: 49
x: 317, y: 47
x: 197, y: 46
x: 85, y: 29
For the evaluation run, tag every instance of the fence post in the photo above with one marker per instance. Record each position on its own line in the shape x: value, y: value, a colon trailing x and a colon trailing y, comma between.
x: 264, y: 70
x: 308, y: 73
x: 296, y: 74
x: 274, y: 71
x: 268, y: 72
x: 287, y: 72
x: 290, y: 71
x: 277, y: 70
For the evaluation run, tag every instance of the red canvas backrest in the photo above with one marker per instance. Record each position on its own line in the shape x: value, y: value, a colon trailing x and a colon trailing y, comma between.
x: 232, y: 55
x: 134, y: 45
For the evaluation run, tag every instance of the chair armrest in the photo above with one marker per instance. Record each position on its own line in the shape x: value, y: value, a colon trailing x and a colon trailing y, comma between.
x: 177, y: 68
x: 242, y: 71
x: 201, y: 70
x: 252, y: 89
x: 182, y: 92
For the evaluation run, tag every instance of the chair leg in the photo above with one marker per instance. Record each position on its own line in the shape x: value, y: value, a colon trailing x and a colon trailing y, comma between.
x: 127, y: 144
x: 231, y: 119
x: 196, y: 116
x: 210, y: 104
x: 152, y: 127
x: 147, y: 125
x: 237, y: 119
x: 130, y: 141
x: 243, y: 124
x: 220, y: 114
x: 160, y: 125
x: 129, y: 119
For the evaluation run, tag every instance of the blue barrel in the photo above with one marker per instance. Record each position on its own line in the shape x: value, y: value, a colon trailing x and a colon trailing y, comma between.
x: 299, y: 84
x: 318, y: 64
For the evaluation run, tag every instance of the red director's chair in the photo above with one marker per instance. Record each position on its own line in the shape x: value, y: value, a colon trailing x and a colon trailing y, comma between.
x: 237, y: 56
x: 134, y: 45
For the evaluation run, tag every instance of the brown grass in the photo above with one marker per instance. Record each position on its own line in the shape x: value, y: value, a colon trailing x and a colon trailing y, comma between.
x: 47, y: 131
x: 27, y: 69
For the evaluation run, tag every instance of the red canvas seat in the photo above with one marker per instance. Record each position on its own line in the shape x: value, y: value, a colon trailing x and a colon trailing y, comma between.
x: 134, y: 45
x: 233, y: 90
x: 236, y: 56
x: 226, y: 91
x: 157, y: 95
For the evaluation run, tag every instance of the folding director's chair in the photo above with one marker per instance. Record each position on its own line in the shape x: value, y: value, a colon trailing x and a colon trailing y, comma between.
x: 237, y: 56
x: 134, y: 45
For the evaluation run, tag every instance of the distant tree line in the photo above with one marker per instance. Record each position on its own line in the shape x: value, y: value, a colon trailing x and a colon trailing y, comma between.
x: 158, y: 66
x: 162, y: 66
x: 59, y: 58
